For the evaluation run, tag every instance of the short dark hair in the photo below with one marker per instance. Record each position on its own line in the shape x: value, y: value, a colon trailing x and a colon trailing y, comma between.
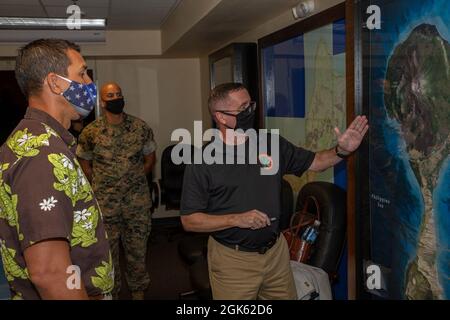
x: 37, y: 59
x: 221, y: 93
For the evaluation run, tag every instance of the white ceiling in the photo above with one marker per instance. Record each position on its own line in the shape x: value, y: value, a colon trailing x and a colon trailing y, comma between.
x: 146, y: 14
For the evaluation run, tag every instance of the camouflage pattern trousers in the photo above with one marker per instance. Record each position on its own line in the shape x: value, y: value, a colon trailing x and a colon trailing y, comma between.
x: 127, y: 220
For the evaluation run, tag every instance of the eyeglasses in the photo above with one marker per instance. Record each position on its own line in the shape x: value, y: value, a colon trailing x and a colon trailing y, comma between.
x: 249, y: 108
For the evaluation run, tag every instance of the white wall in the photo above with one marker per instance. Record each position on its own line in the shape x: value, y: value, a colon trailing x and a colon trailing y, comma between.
x: 118, y: 43
x: 163, y: 92
x: 282, y: 21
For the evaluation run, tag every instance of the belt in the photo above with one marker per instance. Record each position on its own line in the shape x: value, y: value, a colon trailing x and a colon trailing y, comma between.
x: 260, y: 250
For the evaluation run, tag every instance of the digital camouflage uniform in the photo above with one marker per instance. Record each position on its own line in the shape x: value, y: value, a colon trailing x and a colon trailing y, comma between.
x: 120, y: 185
x: 44, y: 195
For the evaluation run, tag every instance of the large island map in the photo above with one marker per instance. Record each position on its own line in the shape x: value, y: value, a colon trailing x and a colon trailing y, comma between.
x: 409, y: 148
x: 304, y: 94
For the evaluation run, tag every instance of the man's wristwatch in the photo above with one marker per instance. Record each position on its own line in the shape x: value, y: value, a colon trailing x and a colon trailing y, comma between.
x: 340, y: 154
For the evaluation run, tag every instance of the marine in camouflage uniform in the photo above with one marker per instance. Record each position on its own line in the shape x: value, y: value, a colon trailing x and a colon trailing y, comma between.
x: 118, y: 148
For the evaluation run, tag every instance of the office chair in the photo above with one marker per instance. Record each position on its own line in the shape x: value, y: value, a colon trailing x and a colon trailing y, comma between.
x: 287, y: 204
x: 171, y: 182
x: 330, y: 243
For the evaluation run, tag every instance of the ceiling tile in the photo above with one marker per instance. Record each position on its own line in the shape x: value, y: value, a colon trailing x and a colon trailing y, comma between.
x: 81, y: 3
x: 142, y: 4
x: 132, y: 14
x: 20, y: 2
x: 124, y: 14
x: 145, y: 14
x: 121, y: 8
x: 21, y: 11
x: 124, y: 24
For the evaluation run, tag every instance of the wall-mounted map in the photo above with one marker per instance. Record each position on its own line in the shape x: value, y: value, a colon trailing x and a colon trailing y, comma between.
x: 408, y: 69
x: 304, y: 93
x: 303, y: 69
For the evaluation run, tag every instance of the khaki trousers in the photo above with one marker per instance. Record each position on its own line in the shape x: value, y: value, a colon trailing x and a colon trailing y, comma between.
x: 239, y: 275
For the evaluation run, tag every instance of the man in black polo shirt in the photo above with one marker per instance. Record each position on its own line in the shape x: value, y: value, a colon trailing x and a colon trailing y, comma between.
x: 240, y: 205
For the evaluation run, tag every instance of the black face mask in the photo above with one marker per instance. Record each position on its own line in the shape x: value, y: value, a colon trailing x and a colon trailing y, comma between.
x: 115, y: 106
x: 244, y: 119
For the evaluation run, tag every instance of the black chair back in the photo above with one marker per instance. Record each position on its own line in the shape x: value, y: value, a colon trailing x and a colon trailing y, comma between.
x: 171, y: 179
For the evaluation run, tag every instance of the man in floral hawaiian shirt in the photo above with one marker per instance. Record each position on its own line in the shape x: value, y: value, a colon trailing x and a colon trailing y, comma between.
x: 52, y: 239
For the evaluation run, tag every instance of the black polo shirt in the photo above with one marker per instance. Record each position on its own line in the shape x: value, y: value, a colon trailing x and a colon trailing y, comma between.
x: 220, y: 189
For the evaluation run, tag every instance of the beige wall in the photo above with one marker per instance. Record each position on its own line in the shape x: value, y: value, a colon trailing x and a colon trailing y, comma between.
x: 205, y: 88
x: 126, y: 43
x: 163, y: 92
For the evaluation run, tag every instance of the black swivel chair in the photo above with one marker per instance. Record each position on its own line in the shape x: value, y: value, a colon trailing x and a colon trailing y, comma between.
x: 171, y: 182
x: 193, y: 252
x: 154, y: 192
x: 287, y: 204
x: 170, y: 187
x: 330, y: 243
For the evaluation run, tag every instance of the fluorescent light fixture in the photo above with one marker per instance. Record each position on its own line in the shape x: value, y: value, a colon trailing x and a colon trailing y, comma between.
x: 48, y: 23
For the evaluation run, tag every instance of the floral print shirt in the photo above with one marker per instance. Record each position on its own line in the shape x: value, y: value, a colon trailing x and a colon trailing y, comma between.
x: 45, y: 195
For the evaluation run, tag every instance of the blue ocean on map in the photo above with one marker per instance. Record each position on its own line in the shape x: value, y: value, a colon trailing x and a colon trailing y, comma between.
x: 441, y: 200
x: 396, y: 228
